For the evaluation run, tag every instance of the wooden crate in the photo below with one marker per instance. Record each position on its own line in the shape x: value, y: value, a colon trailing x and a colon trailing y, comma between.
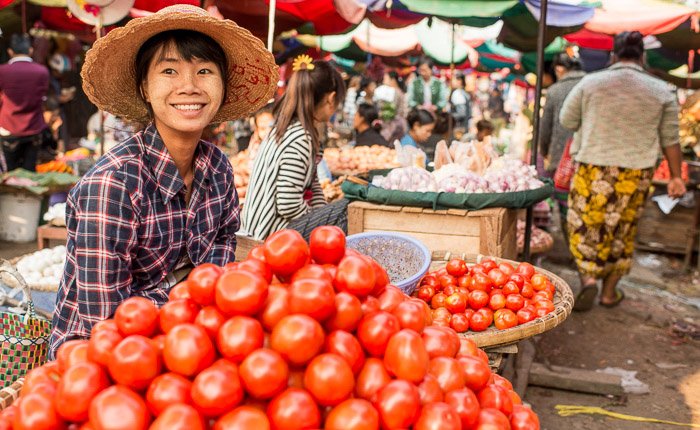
x: 488, y: 231
x: 672, y: 233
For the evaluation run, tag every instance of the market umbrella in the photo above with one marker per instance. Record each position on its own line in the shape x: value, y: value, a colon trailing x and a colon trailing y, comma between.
x: 645, y: 16
x: 253, y: 15
x: 323, y: 14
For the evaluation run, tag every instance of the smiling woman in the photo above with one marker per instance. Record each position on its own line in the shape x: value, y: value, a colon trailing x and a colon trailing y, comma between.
x: 164, y: 199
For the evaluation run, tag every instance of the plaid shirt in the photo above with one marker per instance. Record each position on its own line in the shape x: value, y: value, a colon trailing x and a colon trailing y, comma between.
x: 129, y: 227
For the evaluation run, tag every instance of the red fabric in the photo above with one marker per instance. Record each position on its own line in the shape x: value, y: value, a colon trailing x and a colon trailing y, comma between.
x: 23, y: 85
x: 645, y: 16
x: 393, y: 19
x: 565, y: 170
x: 156, y: 5
x: 321, y: 13
x: 5, y: 3
x: 252, y: 15
x: 588, y: 39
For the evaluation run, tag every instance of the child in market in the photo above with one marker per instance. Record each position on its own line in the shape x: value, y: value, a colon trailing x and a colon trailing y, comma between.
x: 284, y: 191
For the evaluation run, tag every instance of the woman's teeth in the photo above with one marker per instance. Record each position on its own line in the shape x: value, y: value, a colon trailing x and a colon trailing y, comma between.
x: 188, y: 107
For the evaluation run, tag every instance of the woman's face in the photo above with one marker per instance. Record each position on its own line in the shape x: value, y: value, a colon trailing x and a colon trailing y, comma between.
x: 421, y: 133
x: 357, y: 121
x: 184, y: 95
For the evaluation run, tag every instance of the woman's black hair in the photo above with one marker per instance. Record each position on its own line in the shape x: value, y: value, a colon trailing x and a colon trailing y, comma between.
x: 366, y: 82
x: 460, y: 77
x: 189, y: 44
x: 395, y: 76
x: 370, y: 115
x: 484, y: 124
x: 568, y: 62
x: 629, y: 45
x: 425, y: 60
x: 421, y: 116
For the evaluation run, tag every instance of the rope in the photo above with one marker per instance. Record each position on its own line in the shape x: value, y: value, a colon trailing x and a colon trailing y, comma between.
x: 569, y: 410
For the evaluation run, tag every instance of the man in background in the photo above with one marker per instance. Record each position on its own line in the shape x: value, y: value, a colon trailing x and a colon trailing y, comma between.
x: 23, y: 88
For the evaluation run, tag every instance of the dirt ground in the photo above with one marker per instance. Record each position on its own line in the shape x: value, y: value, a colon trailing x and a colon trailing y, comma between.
x: 636, y: 336
x: 648, y: 333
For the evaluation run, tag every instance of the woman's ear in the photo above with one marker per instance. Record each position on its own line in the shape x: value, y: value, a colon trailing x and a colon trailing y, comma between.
x: 144, y: 91
x: 332, y: 99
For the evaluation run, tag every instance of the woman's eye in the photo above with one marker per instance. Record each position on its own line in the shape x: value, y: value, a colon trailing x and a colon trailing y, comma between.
x: 168, y: 71
x: 205, y: 72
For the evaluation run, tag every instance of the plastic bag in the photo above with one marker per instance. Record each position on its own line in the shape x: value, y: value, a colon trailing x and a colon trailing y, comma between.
x: 442, y: 155
x: 409, y: 156
x: 409, y: 179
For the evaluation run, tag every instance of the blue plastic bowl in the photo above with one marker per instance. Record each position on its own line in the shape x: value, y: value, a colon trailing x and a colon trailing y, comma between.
x: 405, y: 259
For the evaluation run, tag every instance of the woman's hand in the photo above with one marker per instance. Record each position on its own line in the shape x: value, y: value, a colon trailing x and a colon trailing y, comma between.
x: 676, y: 187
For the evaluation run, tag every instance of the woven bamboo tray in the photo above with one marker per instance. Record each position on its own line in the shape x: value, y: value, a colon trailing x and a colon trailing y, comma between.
x: 563, y: 304
x: 9, y: 394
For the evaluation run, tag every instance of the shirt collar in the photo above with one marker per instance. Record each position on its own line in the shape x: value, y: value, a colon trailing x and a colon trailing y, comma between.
x: 627, y: 65
x: 161, y: 163
x: 24, y: 58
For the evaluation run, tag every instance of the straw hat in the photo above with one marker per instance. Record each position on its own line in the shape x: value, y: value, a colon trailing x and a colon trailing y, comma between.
x: 109, y: 77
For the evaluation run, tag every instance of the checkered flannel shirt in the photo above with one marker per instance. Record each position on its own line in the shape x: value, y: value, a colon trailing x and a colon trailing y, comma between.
x: 129, y: 227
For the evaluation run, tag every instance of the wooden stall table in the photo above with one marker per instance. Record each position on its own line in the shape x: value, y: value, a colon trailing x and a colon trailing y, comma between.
x: 488, y: 231
x: 46, y: 233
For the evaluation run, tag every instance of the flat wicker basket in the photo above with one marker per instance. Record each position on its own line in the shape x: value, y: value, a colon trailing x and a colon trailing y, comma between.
x: 10, y: 394
x: 491, y: 337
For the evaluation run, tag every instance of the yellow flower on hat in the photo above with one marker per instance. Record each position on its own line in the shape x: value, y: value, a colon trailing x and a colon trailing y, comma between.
x: 303, y: 62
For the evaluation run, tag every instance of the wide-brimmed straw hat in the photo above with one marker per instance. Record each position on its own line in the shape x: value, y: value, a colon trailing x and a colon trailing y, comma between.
x: 109, y: 78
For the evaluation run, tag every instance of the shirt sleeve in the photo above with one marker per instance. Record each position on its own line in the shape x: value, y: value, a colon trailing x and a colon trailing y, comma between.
x: 443, y: 95
x: 668, y: 127
x: 411, y: 96
x: 317, y: 198
x: 224, y: 249
x: 571, y: 110
x: 291, y: 183
x: 105, y: 234
x: 546, y: 127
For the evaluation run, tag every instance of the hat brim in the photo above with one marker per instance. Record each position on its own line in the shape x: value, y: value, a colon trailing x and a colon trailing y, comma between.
x: 109, y: 79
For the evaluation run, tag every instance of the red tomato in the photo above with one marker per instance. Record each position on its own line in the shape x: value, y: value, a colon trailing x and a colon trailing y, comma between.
x: 329, y: 379
x: 447, y: 280
x: 495, y: 291
x: 438, y: 301
x: 313, y: 297
x: 539, y: 282
x: 515, y: 302
x: 510, y: 288
x: 381, y: 278
x: 426, y: 293
x: 355, y: 275
x: 202, y: 281
x: 276, y: 306
x: 478, y: 299
x: 494, y: 396
x: 497, y: 301
x: 136, y: 315
x: 370, y: 304
x: 456, y: 303
x: 241, y: 293
x: 391, y: 298
x: 180, y: 291
x: 294, y: 409
x: 527, y: 291
x: 438, y: 416
x: 480, y: 321
x: 312, y: 271
x: 258, y: 253
x: 372, y: 378
x: 375, y: 330
x: 353, y: 414
x: 505, y: 319
x: 42, y: 375
x: 135, y: 362
x: 37, y: 411
x: 238, y: 337
x: 476, y: 372
x: 501, y: 382
x: 78, y: 386
x: 465, y: 404
x: 348, y: 313
x: 464, y: 282
x: 168, y: 389
x: 457, y: 267
x: 410, y: 315
x: 459, y: 323
x: 327, y: 244
x: 264, y: 373
x: 256, y: 266
x: 546, y: 305
x: 243, y: 418
x: 492, y: 419
x: 188, y: 350
x: 286, y: 252
x: 398, y: 404
x: 488, y: 265
x: 406, y: 356
x: 498, y: 278
x: 525, y: 269
x: 467, y: 347
x: 101, y: 345
x: 523, y: 418
x: 429, y: 390
x: 430, y: 280
x: 210, y: 319
x: 298, y: 338
x: 118, y: 401
x: 439, y: 342
x: 526, y: 314
x: 518, y: 279
x: 217, y: 389
x: 441, y: 314
x: 506, y: 268
x: 347, y: 346
x: 177, y: 312
x: 179, y: 417
x: 448, y: 373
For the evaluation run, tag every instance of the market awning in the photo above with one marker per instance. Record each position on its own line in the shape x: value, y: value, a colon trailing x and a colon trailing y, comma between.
x: 323, y: 14
x: 645, y: 16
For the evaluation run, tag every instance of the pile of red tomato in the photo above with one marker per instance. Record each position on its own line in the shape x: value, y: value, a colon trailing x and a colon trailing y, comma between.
x: 298, y: 336
x: 474, y: 297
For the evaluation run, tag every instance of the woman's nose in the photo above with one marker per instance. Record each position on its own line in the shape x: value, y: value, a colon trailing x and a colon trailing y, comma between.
x: 187, y: 83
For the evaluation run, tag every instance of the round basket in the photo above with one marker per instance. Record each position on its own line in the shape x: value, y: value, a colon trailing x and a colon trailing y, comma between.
x: 563, y: 304
x: 10, y: 394
x: 406, y: 259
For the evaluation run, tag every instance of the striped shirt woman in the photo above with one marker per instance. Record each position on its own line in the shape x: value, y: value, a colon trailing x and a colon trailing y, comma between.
x: 284, y: 175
